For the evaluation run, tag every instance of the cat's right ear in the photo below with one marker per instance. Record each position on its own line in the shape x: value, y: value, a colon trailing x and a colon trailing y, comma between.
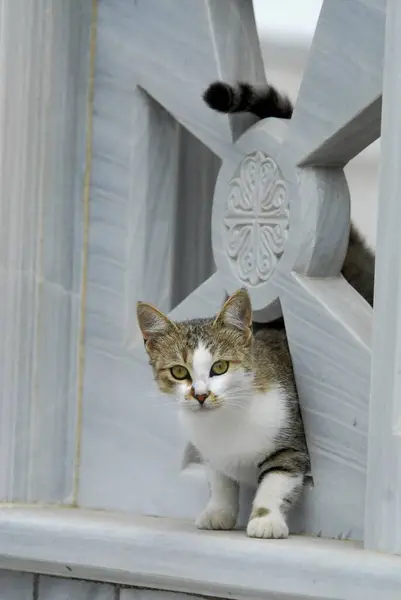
x: 152, y: 321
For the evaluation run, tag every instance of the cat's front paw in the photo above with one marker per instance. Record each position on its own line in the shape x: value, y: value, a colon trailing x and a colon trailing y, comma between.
x: 267, y: 525
x: 215, y: 517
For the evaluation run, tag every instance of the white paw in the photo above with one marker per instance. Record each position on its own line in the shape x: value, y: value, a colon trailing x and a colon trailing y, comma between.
x: 272, y: 525
x: 215, y: 517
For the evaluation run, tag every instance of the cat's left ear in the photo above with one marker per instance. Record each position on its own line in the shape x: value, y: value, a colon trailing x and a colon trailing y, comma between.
x: 152, y: 321
x: 237, y: 311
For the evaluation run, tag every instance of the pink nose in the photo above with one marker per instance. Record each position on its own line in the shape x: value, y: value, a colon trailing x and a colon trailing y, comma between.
x: 199, y: 397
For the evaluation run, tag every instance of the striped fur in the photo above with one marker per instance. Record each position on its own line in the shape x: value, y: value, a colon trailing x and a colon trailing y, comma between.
x: 284, y: 460
x: 263, y: 101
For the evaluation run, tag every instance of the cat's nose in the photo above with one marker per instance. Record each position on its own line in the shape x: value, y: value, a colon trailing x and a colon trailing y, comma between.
x: 199, y: 397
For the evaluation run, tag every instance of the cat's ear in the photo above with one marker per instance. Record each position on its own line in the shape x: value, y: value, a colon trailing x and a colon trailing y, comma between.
x: 237, y: 311
x: 152, y: 321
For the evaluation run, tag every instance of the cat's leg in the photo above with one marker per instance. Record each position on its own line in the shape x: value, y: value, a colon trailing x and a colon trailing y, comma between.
x: 281, y: 478
x: 222, y: 509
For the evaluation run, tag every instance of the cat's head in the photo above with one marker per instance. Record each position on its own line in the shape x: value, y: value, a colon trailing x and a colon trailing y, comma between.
x: 206, y: 363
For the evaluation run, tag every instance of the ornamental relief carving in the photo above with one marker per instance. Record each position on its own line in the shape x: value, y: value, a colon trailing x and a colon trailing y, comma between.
x: 256, y: 218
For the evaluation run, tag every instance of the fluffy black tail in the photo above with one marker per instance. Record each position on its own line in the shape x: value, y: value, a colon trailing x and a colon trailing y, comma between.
x: 263, y: 102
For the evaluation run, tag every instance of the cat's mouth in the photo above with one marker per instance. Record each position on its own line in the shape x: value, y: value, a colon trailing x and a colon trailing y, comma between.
x: 211, y: 403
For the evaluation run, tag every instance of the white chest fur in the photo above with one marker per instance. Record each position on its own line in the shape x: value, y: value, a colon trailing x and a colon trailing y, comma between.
x: 234, y: 439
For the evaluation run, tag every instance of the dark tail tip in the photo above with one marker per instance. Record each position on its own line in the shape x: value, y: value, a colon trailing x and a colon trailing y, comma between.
x: 219, y: 96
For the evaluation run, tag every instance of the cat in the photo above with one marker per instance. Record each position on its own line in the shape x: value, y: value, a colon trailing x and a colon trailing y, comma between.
x: 265, y: 101
x: 238, y: 406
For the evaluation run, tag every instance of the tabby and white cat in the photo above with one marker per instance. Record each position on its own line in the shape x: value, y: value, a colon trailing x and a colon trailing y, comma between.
x: 238, y: 407
x: 359, y: 264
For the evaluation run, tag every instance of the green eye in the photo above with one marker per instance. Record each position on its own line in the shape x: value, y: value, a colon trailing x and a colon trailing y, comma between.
x: 219, y: 367
x: 179, y: 372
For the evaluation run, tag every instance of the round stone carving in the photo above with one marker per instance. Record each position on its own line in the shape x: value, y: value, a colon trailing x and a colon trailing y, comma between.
x: 256, y: 218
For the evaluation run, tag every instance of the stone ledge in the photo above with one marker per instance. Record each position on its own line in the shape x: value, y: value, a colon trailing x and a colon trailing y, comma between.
x: 171, y: 555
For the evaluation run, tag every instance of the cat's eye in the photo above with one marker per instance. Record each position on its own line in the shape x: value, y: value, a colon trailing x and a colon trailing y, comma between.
x: 179, y: 372
x: 219, y: 367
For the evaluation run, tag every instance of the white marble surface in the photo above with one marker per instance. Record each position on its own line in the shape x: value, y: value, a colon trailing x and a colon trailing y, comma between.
x: 54, y: 588
x: 139, y: 190
x: 338, y: 108
x: 383, y: 493
x: 15, y: 585
x: 44, y: 74
x: 171, y: 555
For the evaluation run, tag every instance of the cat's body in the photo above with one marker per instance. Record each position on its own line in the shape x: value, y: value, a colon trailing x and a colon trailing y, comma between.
x: 236, y: 441
x: 244, y: 420
x: 264, y: 102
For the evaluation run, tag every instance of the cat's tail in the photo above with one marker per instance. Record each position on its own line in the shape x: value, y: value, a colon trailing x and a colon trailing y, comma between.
x: 263, y: 101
